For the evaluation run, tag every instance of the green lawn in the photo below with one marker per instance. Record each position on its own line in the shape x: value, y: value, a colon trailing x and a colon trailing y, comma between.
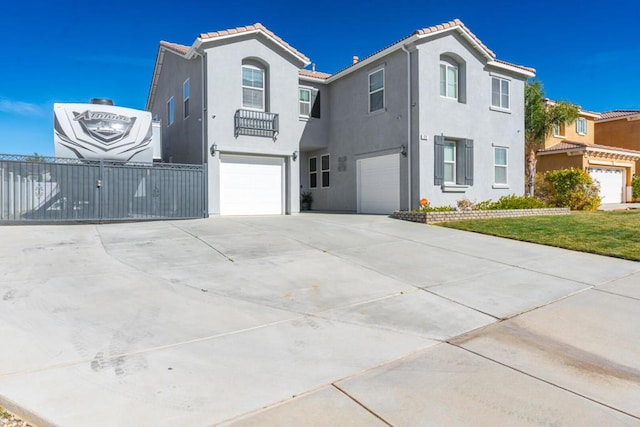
x: 614, y: 233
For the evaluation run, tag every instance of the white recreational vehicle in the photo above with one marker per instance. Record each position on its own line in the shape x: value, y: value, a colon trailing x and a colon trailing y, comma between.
x: 102, y: 131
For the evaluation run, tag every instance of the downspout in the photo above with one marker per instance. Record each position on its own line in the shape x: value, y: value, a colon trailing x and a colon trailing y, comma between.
x: 204, y: 131
x: 409, y: 181
x: 204, y: 106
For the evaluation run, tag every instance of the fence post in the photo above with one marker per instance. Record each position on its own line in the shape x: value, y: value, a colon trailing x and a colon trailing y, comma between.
x: 100, y: 192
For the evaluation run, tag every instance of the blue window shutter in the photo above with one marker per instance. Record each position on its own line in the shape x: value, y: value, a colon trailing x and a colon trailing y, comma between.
x: 315, y: 104
x: 438, y: 156
x: 468, y: 161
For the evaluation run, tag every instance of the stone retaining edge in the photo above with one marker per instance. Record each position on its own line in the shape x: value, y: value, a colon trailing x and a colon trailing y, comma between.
x: 429, y: 217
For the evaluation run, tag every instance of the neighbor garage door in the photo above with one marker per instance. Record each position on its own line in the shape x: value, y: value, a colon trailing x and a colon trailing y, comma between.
x: 251, y: 185
x: 611, y: 183
x: 378, y: 184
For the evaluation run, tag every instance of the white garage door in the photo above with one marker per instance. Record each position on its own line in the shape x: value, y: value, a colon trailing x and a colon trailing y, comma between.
x: 250, y: 185
x: 611, y: 183
x: 379, y: 184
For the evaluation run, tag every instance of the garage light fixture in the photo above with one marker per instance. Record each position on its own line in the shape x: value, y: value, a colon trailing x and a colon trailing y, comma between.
x: 213, y: 149
x: 403, y: 150
x: 294, y: 156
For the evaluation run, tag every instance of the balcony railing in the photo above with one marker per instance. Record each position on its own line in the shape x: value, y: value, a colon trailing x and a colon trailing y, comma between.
x: 256, y: 123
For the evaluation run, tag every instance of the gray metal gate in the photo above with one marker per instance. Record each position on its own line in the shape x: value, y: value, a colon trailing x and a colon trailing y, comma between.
x: 55, y: 189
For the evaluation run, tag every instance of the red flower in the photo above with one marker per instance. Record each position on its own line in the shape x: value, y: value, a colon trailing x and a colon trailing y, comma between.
x: 424, y: 202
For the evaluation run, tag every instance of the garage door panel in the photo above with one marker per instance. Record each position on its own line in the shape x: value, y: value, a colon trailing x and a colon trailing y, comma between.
x: 611, y: 183
x: 379, y: 184
x: 250, y: 185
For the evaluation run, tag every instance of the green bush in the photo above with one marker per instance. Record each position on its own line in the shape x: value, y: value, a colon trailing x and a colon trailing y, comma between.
x: 428, y: 208
x: 511, y: 202
x: 572, y: 188
x: 636, y: 187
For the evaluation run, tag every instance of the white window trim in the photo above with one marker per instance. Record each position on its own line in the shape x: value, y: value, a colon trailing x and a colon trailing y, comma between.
x: 308, y: 89
x: 455, y: 149
x: 500, y: 107
x: 171, y: 111
x: 505, y: 166
x: 263, y: 89
x: 322, y: 171
x: 316, y: 171
x: 384, y: 94
x: 583, y: 120
x: 446, y: 80
x: 184, y: 100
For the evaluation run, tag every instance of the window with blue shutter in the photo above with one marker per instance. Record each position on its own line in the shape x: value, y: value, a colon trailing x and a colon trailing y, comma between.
x: 453, y: 161
x: 438, y: 156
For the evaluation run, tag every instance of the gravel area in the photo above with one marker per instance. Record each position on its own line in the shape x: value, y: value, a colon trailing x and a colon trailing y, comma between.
x: 7, y: 419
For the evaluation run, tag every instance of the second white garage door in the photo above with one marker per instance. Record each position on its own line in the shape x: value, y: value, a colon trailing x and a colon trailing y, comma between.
x: 251, y: 185
x: 611, y: 181
x: 378, y: 184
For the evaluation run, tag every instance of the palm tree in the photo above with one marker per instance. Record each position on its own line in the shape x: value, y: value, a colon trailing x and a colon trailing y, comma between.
x: 540, y: 118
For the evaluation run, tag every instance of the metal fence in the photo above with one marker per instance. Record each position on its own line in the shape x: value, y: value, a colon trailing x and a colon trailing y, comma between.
x: 55, y: 189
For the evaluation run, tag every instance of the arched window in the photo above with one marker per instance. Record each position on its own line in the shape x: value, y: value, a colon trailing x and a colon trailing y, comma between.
x: 452, y: 77
x: 254, y: 85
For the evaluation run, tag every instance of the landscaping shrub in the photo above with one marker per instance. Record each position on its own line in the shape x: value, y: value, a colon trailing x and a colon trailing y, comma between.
x: 572, y: 188
x: 511, y: 202
x: 465, y: 204
x: 425, y: 206
x: 635, y: 185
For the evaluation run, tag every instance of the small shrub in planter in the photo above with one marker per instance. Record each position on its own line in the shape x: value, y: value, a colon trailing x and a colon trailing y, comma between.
x: 571, y: 188
x: 635, y: 185
x: 465, y: 204
x: 517, y: 202
x: 306, y: 198
x: 425, y: 206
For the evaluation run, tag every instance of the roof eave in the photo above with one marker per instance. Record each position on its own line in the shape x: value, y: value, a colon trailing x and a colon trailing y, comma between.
x: 154, y: 79
x: 517, y: 70
x: 312, y: 79
x: 631, y: 117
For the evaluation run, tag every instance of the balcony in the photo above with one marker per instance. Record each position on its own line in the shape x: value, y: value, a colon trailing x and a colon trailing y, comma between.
x: 256, y: 123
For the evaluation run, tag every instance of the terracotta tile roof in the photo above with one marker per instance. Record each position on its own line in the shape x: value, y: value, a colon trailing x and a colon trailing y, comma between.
x: 571, y: 145
x: 179, y: 48
x: 618, y: 113
x: 436, y: 28
x: 451, y: 24
x: 314, y: 74
x: 255, y: 27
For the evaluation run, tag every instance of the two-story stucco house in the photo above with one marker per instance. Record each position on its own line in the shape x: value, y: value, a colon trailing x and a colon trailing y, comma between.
x: 584, y: 144
x: 433, y: 115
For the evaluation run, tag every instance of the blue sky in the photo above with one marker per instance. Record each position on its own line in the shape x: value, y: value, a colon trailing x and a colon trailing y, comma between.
x: 71, y: 51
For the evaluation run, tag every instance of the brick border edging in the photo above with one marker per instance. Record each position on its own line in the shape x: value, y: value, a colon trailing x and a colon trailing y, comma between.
x: 429, y: 217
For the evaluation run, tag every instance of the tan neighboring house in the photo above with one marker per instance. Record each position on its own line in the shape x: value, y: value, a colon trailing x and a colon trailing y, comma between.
x: 574, y: 145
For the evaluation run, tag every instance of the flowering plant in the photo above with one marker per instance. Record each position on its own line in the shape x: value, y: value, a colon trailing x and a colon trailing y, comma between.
x: 425, y: 206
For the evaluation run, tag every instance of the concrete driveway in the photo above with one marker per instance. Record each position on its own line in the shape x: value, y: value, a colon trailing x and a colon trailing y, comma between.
x: 313, y: 319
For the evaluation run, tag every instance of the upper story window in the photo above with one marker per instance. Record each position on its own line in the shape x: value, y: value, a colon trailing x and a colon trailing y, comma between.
x: 376, y: 90
x: 448, y: 80
x: 558, y: 130
x: 304, y: 101
x: 185, y: 97
x: 170, y: 111
x: 253, y: 88
x: 500, y: 93
x: 581, y: 126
